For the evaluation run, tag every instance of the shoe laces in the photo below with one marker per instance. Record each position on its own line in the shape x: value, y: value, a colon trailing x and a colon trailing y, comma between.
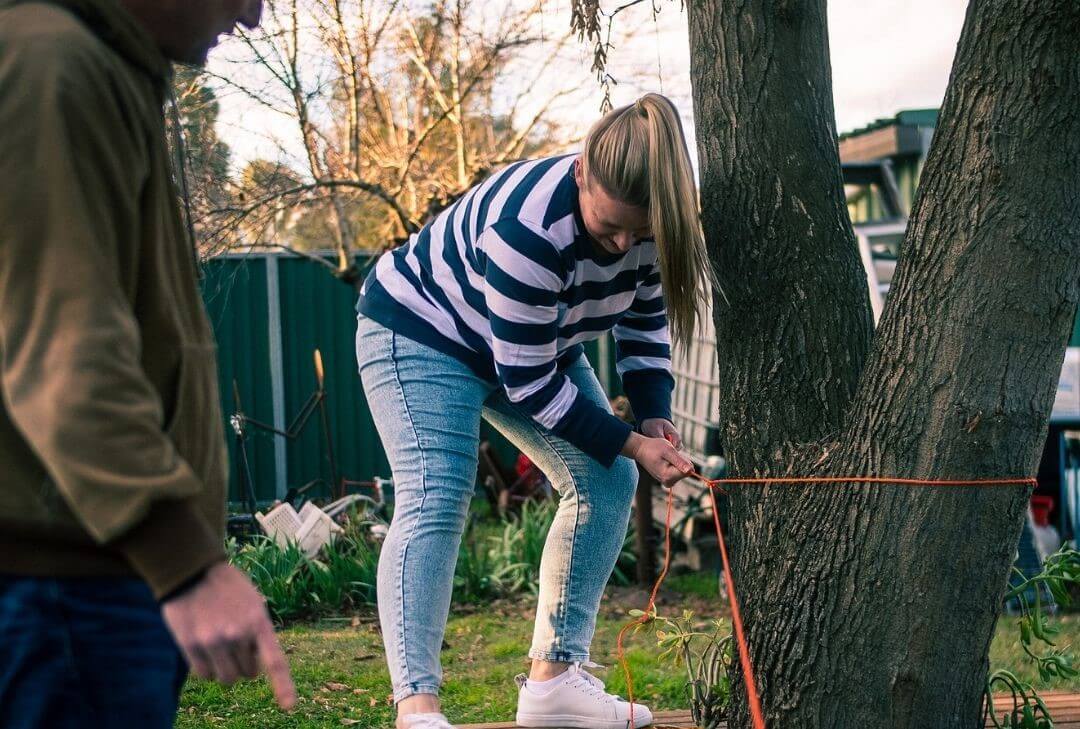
x: 593, y: 684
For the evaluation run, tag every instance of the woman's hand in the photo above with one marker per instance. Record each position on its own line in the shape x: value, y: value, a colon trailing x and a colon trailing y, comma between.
x: 659, y: 457
x: 660, y: 428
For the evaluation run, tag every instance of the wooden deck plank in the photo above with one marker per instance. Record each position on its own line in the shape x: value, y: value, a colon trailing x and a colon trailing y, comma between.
x: 1064, y: 708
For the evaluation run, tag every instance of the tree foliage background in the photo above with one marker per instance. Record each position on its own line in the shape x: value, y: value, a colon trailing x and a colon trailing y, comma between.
x: 386, y: 111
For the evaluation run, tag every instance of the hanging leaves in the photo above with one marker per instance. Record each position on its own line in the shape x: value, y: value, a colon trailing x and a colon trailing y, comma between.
x: 585, y: 20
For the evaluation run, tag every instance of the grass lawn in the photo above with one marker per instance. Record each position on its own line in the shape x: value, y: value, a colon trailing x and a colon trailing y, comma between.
x: 342, y: 678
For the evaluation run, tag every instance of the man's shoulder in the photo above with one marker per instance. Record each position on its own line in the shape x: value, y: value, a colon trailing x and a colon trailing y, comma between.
x: 41, y: 40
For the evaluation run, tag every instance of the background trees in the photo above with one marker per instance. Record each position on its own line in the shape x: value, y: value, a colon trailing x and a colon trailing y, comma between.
x: 389, y: 110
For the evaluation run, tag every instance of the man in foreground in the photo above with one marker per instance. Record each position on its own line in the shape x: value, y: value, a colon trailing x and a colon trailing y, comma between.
x: 113, y: 579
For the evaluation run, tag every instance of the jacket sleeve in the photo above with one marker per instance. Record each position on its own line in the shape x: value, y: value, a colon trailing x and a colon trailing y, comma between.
x: 643, y: 351
x: 523, y: 280
x: 71, y: 171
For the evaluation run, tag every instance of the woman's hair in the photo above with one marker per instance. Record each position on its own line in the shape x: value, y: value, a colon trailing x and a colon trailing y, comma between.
x: 638, y: 155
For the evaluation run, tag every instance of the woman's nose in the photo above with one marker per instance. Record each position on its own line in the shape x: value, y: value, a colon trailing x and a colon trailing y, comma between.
x: 623, y: 241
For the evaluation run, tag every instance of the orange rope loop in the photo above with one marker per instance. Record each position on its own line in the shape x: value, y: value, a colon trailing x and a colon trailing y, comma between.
x: 753, y: 699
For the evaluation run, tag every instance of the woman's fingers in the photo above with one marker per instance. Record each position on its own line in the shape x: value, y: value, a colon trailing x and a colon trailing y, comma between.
x: 674, y: 469
x: 680, y: 462
x: 671, y: 435
x: 663, y: 461
x: 675, y: 438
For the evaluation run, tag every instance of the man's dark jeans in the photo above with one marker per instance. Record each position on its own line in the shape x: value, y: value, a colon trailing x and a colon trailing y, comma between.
x: 85, y: 653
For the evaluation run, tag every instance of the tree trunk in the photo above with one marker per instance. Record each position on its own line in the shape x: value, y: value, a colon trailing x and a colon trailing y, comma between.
x: 874, y: 606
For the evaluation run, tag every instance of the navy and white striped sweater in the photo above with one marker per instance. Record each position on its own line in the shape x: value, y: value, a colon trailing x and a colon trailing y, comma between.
x: 508, y: 281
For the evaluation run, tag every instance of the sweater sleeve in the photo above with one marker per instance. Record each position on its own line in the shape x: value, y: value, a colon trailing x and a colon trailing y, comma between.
x: 522, y: 281
x: 643, y: 351
x: 71, y: 376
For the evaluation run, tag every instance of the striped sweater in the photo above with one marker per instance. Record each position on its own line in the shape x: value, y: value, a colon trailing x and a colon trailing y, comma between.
x: 508, y: 281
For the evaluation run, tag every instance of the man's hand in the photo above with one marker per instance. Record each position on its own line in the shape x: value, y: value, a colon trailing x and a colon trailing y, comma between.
x: 660, y: 428
x: 225, y: 633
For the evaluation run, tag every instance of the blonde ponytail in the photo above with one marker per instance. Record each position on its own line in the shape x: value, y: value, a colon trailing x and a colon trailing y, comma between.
x: 638, y: 155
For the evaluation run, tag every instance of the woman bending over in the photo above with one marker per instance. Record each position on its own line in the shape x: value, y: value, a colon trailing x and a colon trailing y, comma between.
x: 482, y: 314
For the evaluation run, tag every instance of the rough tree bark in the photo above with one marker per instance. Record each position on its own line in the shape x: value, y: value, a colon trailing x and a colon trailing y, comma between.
x: 874, y: 606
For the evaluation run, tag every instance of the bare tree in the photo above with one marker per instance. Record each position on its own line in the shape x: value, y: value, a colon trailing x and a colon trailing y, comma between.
x: 397, y: 109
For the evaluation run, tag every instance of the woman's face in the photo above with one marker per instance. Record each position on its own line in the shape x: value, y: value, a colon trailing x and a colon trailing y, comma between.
x: 613, y: 225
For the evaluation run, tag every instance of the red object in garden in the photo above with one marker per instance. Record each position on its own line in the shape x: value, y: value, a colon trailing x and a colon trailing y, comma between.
x: 523, y: 464
x: 1041, y: 506
x: 528, y: 475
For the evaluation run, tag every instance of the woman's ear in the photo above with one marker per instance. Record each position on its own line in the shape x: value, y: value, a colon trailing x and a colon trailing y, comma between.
x: 579, y: 178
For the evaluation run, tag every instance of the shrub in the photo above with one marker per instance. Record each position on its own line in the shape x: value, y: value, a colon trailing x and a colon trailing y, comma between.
x: 340, y: 577
x: 520, y: 545
x: 482, y: 573
x: 1060, y: 572
x: 344, y: 572
x: 707, y: 656
x: 280, y: 574
x: 494, y: 560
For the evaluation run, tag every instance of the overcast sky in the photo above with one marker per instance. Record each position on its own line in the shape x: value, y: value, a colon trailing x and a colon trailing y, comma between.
x: 887, y: 55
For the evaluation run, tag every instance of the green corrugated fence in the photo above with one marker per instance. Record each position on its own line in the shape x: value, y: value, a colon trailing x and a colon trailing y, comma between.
x: 269, y: 313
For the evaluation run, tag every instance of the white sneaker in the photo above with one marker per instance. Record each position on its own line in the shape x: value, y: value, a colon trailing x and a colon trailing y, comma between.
x: 431, y: 720
x: 578, y: 700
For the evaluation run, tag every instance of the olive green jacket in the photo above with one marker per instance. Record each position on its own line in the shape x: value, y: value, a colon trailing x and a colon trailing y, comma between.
x: 112, y: 450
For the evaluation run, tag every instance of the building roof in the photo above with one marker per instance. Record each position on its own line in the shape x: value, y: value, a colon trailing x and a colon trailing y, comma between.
x: 906, y: 133
x: 907, y: 118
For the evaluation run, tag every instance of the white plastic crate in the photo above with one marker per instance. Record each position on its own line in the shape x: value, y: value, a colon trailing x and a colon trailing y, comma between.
x: 311, y: 528
x: 316, y: 529
x: 281, y: 523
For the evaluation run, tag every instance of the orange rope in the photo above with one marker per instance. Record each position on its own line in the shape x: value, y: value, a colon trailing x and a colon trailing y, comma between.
x: 729, y: 582
x: 868, y: 479
x: 736, y: 619
x: 648, y: 610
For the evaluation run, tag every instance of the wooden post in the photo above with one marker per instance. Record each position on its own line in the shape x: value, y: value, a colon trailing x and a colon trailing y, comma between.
x: 646, y: 544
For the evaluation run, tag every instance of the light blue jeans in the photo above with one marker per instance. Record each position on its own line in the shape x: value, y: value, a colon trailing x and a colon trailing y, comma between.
x: 427, y: 407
